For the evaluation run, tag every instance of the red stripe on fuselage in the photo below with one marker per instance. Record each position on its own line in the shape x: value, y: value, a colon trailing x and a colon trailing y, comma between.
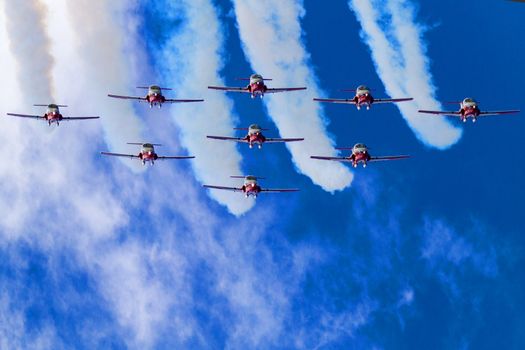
x: 53, y: 117
x: 363, y: 99
x: 257, y: 88
x: 148, y: 156
x: 156, y: 98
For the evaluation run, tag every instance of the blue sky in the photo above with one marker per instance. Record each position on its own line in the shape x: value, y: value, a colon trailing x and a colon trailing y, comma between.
x: 421, y: 253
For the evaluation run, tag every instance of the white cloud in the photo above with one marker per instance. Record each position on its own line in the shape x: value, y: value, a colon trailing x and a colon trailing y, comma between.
x: 271, y: 35
x: 139, y: 238
x: 14, y: 334
x: 399, y: 54
x: 444, y: 246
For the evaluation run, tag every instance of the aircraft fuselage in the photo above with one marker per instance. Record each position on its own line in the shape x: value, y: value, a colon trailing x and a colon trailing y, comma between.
x: 250, y: 188
x: 155, y: 98
x: 53, y: 117
x: 257, y: 87
x: 148, y: 156
x: 469, y: 111
x: 255, y: 138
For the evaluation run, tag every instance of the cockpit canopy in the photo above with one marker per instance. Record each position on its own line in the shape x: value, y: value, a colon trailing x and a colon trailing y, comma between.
x: 362, y: 88
x: 52, y: 106
x: 256, y: 77
x: 254, y: 127
x: 147, y: 145
x: 154, y: 88
x: 250, y: 178
x: 469, y: 101
x: 360, y: 146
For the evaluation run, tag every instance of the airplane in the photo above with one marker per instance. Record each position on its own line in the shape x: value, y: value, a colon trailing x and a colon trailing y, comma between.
x: 254, y: 137
x: 359, y: 154
x: 52, y: 114
x: 363, y: 97
x: 256, y: 87
x: 250, y: 187
x: 147, y: 153
x: 468, y: 108
x: 154, y: 96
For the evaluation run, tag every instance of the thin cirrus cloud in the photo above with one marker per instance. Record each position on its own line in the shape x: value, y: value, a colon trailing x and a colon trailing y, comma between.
x: 75, y: 209
x: 191, y: 59
x: 58, y: 200
x: 399, y: 54
x: 270, y: 32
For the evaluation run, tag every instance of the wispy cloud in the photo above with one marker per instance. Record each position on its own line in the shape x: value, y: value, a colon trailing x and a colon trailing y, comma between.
x: 16, y: 334
x: 144, y: 249
x: 399, y: 54
x: 271, y: 35
x: 444, y: 246
x: 189, y: 61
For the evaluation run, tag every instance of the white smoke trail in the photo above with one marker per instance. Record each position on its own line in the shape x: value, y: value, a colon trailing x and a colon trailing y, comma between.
x: 29, y: 43
x: 192, y: 59
x: 94, y: 41
x: 25, y: 67
x: 271, y: 35
x: 399, y: 56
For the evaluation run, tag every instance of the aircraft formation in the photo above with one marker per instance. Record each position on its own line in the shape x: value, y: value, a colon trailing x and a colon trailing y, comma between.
x: 257, y: 87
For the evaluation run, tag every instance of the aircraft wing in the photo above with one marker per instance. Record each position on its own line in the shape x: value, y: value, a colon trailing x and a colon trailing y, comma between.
x: 335, y: 100
x: 275, y: 90
x: 377, y: 159
x: 128, y: 97
x: 171, y: 100
x: 234, y: 189
x: 231, y: 89
x: 79, y: 118
x: 237, y: 139
x: 392, y: 100
x: 340, y: 159
x: 175, y: 157
x: 450, y: 113
x: 483, y: 114
x: 119, y: 155
x: 282, y: 140
x: 25, y: 116
x: 277, y: 190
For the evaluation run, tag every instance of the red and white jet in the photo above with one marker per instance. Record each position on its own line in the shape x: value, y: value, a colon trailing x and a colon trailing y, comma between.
x: 154, y: 96
x: 359, y: 154
x: 250, y: 187
x: 52, y: 114
x: 254, y: 136
x: 362, y: 97
x: 468, y: 108
x: 256, y: 87
x: 146, y: 154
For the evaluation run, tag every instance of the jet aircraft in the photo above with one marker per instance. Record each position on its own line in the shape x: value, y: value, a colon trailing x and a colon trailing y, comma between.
x: 154, y: 96
x: 468, y: 108
x: 256, y: 87
x: 52, y: 114
x: 147, y: 153
x: 362, y: 97
x: 251, y: 187
x: 254, y: 136
x: 359, y: 154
